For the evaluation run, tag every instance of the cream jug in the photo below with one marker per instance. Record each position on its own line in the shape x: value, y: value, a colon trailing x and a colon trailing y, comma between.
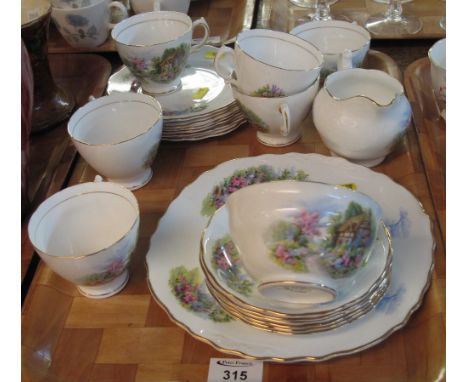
x: 361, y: 114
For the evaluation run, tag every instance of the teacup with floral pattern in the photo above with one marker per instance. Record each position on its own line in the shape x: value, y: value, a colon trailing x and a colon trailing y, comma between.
x: 85, y: 23
x: 87, y: 234
x: 155, y: 46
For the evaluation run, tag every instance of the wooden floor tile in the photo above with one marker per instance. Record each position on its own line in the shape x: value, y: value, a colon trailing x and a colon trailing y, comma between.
x: 196, y: 351
x: 113, y: 373
x: 119, y: 310
x: 163, y: 372
x: 74, y: 357
x: 157, y: 316
x: 426, y: 342
x: 43, y: 321
x: 141, y: 345
x: 201, y: 156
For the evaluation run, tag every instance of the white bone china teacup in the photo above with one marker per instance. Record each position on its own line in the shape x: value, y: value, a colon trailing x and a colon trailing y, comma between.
x: 155, y: 46
x: 266, y: 63
x: 119, y: 135
x: 86, y: 234
x: 332, y: 38
x: 85, y: 23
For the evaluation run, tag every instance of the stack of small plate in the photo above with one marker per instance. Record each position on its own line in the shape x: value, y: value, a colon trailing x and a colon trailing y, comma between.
x: 241, y: 294
x: 203, y: 107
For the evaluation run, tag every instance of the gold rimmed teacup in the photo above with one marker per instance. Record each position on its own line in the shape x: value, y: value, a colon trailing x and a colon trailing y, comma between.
x: 119, y: 136
x: 87, y: 233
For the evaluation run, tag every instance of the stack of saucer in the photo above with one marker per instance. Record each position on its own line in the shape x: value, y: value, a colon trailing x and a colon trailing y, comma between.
x: 304, y: 294
x: 201, y: 108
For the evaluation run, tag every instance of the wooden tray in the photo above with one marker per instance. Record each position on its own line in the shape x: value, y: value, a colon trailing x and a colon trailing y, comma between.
x: 51, y: 152
x: 430, y: 128
x: 129, y: 338
x: 226, y: 19
x: 283, y: 15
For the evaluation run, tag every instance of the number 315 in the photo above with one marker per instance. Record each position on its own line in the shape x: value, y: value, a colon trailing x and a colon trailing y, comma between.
x: 235, y: 374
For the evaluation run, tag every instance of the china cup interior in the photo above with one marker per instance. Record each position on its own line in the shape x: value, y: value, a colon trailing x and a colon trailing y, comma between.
x: 83, y: 220
x: 284, y: 229
x: 373, y: 84
x: 114, y: 119
x: 333, y: 37
x: 151, y: 28
x: 437, y: 54
x: 280, y: 50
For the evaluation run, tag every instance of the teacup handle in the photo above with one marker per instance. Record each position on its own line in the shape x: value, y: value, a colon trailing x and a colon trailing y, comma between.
x: 345, y: 60
x: 200, y: 22
x: 223, y: 52
x: 121, y: 7
x: 285, y: 128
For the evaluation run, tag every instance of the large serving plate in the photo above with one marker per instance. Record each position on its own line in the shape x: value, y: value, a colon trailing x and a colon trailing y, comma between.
x: 176, y: 281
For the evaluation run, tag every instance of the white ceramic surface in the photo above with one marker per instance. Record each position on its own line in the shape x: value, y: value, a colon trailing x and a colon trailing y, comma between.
x: 155, y: 46
x: 271, y: 222
x: 268, y: 63
x: 204, y: 107
x: 332, y: 38
x: 141, y: 6
x: 174, y: 252
x: 437, y: 56
x: 361, y: 114
x: 232, y: 280
x: 86, y: 233
x: 119, y: 135
x: 85, y: 23
x: 278, y: 120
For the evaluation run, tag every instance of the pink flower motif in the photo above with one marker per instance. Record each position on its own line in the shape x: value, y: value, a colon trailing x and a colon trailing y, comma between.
x: 138, y: 62
x: 189, y: 297
x: 308, y: 222
x: 283, y: 254
x: 116, y: 266
x: 346, y: 260
x: 222, y: 263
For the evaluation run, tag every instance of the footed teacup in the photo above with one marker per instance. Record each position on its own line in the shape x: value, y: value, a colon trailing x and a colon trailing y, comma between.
x: 333, y: 38
x: 119, y: 135
x: 361, y: 114
x: 87, y: 233
x: 155, y: 46
x: 295, y: 237
x: 277, y: 119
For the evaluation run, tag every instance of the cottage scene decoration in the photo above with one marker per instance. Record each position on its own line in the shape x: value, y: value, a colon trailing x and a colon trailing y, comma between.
x: 341, y: 244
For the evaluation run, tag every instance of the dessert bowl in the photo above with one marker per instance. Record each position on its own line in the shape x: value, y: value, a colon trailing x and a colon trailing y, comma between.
x: 226, y: 274
x: 289, y: 327
x: 87, y: 233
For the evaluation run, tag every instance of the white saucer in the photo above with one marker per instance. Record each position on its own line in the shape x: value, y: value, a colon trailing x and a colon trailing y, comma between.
x: 203, y: 90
